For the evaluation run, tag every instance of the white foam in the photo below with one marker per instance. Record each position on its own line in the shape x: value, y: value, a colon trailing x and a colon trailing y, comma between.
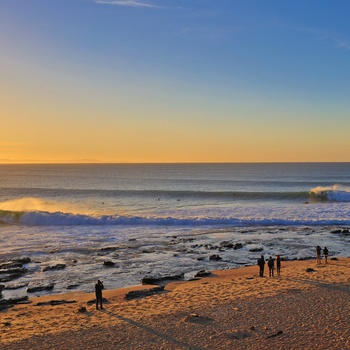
x: 335, y: 193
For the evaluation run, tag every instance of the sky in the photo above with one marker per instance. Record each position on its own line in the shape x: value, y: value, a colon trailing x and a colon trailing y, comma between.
x: 174, y: 81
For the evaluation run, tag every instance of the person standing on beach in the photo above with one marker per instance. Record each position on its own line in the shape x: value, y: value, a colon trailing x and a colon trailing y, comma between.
x: 261, y: 264
x: 278, y: 264
x: 325, y: 253
x: 98, y: 292
x: 318, y: 255
x: 271, y: 265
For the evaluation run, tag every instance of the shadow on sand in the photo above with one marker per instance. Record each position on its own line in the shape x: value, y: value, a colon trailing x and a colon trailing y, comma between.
x: 152, y: 331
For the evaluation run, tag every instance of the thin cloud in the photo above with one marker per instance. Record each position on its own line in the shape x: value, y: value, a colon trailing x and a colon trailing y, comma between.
x: 342, y: 43
x: 319, y: 34
x: 130, y: 3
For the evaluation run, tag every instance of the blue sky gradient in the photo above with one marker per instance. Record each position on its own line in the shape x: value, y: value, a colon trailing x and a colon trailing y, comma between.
x: 166, y: 80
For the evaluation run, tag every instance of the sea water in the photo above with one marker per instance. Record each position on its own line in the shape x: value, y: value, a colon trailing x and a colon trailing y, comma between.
x: 157, y: 219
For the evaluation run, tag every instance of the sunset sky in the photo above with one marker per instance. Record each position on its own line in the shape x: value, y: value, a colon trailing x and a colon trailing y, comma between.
x: 174, y: 81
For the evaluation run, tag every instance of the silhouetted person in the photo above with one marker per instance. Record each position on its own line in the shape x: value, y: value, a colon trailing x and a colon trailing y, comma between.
x: 318, y: 254
x: 261, y: 264
x: 278, y: 264
x: 325, y: 253
x: 98, y: 293
x: 271, y: 265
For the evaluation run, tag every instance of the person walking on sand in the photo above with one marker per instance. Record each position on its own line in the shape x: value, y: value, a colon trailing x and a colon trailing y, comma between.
x: 98, y: 292
x: 261, y: 264
x: 278, y: 264
x: 318, y: 255
x: 325, y: 253
x: 271, y: 265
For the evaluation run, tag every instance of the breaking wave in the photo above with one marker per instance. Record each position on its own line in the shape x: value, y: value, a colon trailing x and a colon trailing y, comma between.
x: 335, y: 193
x: 39, y: 218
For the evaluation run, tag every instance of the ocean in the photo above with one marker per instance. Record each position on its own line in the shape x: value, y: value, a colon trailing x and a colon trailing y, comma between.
x: 165, y: 219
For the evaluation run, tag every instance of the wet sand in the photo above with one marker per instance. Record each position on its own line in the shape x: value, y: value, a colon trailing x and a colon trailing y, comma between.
x: 231, y: 309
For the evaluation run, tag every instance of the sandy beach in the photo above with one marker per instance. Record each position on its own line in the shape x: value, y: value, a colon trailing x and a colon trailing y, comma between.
x: 307, y: 306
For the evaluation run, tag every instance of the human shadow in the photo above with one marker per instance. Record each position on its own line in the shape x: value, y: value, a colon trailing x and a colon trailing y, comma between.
x: 164, y: 336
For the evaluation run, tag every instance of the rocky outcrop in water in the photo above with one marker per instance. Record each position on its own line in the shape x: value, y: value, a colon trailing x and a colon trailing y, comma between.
x: 215, y: 257
x: 161, y: 279
x: 13, y: 269
x: 40, y: 288
x: 54, y: 267
x: 202, y: 273
x: 7, y: 303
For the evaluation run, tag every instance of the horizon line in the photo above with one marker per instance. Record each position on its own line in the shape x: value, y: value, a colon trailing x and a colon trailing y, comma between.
x: 180, y: 162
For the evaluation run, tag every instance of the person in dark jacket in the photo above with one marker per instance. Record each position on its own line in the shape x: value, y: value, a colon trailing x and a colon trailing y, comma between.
x: 318, y: 255
x: 325, y: 253
x: 278, y: 264
x: 98, y: 292
x: 261, y: 264
x: 271, y: 265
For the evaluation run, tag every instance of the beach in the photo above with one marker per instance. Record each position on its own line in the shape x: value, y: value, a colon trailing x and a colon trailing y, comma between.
x: 307, y: 306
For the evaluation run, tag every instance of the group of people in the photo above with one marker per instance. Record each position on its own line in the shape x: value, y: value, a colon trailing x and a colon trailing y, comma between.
x: 271, y: 262
x: 319, y: 255
x: 270, y: 265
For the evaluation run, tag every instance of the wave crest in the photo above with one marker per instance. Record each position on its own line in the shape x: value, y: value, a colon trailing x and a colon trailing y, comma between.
x: 335, y: 193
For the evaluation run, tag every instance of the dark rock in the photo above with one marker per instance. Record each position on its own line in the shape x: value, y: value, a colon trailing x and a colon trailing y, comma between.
x: 13, y: 301
x: 10, y: 265
x: 40, y: 288
x: 55, y: 302
x: 11, y: 273
x: 274, y: 335
x: 134, y: 294
x: 13, y: 286
x: 210, y: 247
x: 5, y: 307
x: 226, y: 244
x: 201, y: 258
x: 108, y: 248
x: 2, y: 287
x: 334, y: 258
x: 336, y: 231
x: 23, y: 260
x: 215, y: 257
x: 73, y: 286
x: 344, y: 231
x: 238, y: 246
x: 195, y: 318
x: 255, y: 250
x: 202, y: 273
x: 14, y: 271
x: 309, y: 269
x: 108, y: 263
x: 55, y: 267
x: 159, y: 279
x: 82, y: 309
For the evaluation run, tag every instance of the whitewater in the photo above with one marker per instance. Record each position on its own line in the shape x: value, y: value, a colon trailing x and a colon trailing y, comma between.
x: 165, y: 218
